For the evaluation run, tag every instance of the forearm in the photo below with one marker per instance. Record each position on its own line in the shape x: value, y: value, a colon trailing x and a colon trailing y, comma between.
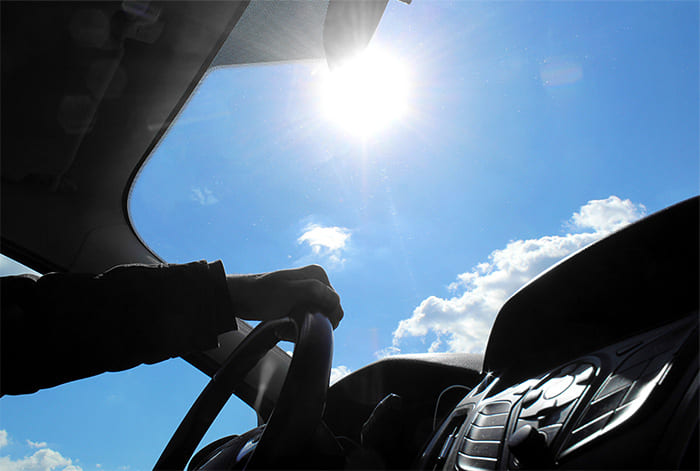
x: 63, y: 327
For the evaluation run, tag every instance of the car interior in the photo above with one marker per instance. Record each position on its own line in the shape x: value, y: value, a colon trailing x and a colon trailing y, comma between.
x: 592, y: 365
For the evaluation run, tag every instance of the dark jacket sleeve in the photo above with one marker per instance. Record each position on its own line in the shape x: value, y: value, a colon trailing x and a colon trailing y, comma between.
x: 62, y: 327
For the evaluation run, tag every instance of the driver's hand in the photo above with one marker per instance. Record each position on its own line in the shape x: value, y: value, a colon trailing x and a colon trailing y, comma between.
x: 277, y: 294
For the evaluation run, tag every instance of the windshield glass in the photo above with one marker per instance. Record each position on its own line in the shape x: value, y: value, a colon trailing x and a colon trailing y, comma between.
x: 515, y: 134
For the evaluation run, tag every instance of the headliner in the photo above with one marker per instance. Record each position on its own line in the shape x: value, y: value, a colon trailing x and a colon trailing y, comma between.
x: 89, y: 89
x: 86, y: 91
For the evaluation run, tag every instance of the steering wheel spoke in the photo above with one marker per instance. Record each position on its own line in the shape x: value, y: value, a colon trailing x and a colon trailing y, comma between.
x: 299, y: 408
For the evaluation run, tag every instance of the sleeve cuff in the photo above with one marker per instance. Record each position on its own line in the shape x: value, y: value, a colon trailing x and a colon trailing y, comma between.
x: 224, y: 318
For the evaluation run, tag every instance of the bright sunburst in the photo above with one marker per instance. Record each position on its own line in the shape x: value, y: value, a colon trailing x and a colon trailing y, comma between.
x: 366, y: 94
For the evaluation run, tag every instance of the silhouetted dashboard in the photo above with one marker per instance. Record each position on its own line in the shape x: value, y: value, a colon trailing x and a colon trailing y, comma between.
x: 630, y: 405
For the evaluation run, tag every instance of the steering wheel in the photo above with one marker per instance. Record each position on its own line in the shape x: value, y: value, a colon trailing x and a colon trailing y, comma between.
x: 299, y: 408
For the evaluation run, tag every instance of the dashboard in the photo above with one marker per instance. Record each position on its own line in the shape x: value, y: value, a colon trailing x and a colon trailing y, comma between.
x: 580, y: 415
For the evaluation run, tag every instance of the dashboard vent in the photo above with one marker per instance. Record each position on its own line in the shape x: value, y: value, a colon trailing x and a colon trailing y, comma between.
x: 453, y: 429
x: 481, y: 445
x: 448, y: 436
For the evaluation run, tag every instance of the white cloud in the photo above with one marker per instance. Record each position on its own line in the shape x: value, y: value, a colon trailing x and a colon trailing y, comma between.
x: 339, y: 372
x: 44, y: 459
x: 328, y: 242
x: 204, y: 196
x: 36, y: 444
x: 388, y: 351
x: 607, y: 215
x: 462, y: 323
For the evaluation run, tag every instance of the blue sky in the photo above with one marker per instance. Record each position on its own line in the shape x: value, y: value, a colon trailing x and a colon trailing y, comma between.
x: 532, y: 129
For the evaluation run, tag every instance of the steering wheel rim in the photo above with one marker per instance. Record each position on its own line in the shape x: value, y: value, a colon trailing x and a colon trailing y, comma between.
x: 299, y: 407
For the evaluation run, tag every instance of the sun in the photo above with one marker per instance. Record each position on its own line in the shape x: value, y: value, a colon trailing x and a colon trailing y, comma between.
x: 367, y: 93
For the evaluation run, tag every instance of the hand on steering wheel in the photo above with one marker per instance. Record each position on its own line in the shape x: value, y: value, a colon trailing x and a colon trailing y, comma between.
x: 268, y: 296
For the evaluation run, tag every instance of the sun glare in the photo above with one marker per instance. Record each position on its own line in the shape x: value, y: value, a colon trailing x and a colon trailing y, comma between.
x: 366, y: 94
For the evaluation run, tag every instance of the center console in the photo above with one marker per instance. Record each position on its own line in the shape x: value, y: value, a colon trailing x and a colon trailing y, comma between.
x: 610, y: 406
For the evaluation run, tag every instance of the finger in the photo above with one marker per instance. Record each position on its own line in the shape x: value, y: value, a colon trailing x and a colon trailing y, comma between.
x: 316, y: 294
x: 337, y: 316
x: 317, y: 272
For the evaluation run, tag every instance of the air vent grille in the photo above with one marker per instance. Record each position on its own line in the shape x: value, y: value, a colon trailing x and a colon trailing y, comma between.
x: 481, y: 445
x: 449, y: 436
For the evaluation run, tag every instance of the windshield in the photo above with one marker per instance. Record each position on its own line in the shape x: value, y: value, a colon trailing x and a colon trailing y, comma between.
x: 507, y: 136
x: 517, y: 133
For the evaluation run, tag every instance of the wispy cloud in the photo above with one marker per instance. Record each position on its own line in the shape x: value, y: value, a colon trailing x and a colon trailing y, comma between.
x: 326, y: 242
x: 461, y: 323
x: 36, y: 444
x: 204, y: 196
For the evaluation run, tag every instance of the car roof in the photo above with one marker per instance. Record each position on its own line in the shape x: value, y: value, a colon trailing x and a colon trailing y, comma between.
x: 84, y: 99
x: 88, y: 90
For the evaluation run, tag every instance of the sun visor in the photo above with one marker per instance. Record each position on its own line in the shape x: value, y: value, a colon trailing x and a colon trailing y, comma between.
x: 271, y: 32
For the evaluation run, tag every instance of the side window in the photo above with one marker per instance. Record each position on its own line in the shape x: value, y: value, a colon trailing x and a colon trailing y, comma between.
x: 9, y: 266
